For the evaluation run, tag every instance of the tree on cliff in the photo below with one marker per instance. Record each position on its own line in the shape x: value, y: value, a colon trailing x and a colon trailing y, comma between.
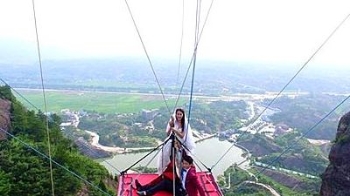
x: 24, y: 166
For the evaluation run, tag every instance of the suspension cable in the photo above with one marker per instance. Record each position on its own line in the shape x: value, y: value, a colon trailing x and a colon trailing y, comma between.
x: 44, y: 96
x: 148, y: 58
x: 32, y: 105
x: 302, y: 67
x: 19, y: 94
x: 53, y: 161
x: 198, y: 13
x: 307, y: 132
x: 181, y: 39
x: 193, y: 54
x: 298, y: 72
x: 43, y: 86
x: 150, y: 62
x: 222, y: 156
x: 150, y: 152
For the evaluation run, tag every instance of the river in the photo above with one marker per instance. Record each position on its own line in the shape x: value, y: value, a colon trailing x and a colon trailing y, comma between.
x: 208, y: 152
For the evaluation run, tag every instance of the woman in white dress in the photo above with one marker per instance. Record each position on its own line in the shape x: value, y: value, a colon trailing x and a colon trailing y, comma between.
x: 180, y: 127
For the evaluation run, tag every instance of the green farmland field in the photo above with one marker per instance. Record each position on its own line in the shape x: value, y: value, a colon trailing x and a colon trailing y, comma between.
x: 104, y: 102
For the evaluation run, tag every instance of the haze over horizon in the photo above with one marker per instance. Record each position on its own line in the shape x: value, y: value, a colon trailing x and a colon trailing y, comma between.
x: 269, y: 32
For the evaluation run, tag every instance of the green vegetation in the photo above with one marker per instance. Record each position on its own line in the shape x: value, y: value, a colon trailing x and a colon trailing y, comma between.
x: 301, y: 156
x: 290, y: 184
x: 237, y: 186
x: 24, y: 163
x: 101, y: 102
x: 298, y: 154
x: 278, y: 181
x: 303, y: 112
x: 218, y: 115
x: 113, y: 129
x: 144, y: 169
x: 342, y: 139
x: 119, y: 122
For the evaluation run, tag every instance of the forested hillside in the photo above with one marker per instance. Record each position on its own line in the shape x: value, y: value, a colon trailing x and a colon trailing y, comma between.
x: 142, y: 131
x: 24, y: 159
x: 303, y: 112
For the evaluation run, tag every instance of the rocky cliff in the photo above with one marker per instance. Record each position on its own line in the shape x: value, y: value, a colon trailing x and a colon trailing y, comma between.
x: 5, y: 107
x: 336, y: 178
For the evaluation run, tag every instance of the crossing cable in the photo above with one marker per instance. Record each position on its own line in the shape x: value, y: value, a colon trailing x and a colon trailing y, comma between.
x: 53, y: 161
x: 194, y: 53
x: 44, y: 96
x: 304, y: 65
x: 145, y: 167
x: 297, y: 73
x: 194, y: 156
x: 35, y: 107
x: 228, y: 150
x: 150, y: 62
x: 181, y: 39
x: 139, y: 34
x: 18, y: 93
x: 154, y: 149
x: 196, y: 37
x: 148, y: 58
x: 307, y: 132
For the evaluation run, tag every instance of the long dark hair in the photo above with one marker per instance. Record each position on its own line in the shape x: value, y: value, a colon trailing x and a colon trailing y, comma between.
x: 183, y: 117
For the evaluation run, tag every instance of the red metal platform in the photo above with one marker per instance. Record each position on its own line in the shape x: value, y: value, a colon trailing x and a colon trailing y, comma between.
x: 126, y: 184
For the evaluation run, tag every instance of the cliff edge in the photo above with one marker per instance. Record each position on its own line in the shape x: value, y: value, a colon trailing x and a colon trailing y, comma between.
x: 5, y: 107
x: 336, y: 178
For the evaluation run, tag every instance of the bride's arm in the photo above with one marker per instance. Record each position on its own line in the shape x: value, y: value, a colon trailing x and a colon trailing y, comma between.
x: 178, y: 132
x: 170, y: 125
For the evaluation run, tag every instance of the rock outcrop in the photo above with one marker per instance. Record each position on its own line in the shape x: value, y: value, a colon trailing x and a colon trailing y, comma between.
x: 5, y: 107
x: 336, y: 178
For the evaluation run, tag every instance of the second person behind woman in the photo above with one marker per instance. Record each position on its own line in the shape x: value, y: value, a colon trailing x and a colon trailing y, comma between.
x: 180, y: 127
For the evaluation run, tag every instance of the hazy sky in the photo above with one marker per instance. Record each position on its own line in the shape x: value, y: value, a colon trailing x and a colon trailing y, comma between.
x: 247, y: 30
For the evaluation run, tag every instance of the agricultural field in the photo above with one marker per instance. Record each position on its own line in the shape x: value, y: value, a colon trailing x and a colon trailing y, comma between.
x: 103, y: 102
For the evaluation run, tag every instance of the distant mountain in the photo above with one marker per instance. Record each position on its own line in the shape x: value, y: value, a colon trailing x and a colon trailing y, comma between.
x: 136, y: 74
